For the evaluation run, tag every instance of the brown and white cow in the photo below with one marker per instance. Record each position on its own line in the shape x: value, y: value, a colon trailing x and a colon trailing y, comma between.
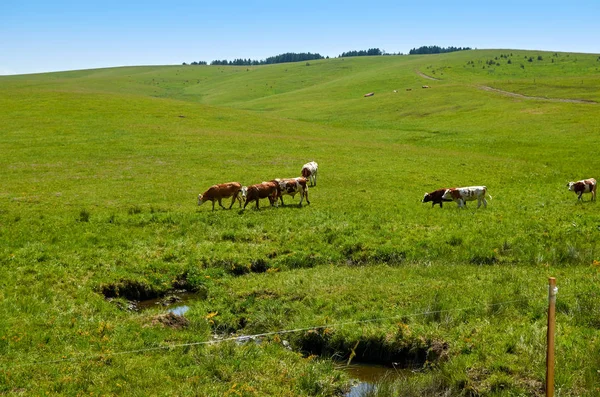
x: 463, y: 194
x: 292, y: 186
x: 583, y: 186
x: 221, y: 191
x: 436, y: 197
x: 261, y: 191
x: 309, y: 171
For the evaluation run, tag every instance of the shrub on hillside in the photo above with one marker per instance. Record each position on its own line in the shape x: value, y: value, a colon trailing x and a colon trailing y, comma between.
x: 84, y: 215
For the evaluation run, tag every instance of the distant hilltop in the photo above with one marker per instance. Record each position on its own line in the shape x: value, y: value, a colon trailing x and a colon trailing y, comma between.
x: 434, y: 49
x: 308, y: 56
x: 282, y: 58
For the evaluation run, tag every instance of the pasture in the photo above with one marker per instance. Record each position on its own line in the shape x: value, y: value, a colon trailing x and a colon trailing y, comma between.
x: 100, y: 174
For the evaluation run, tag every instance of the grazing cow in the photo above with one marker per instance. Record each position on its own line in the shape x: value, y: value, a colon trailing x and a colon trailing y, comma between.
x: 463, y: 194
x: 309, y: 171
x: 370, y: 94
x: 292, y: 186
x: 261, y: 191
x: 436, y: 197
x: 583, y: 186
x: 219, y: 192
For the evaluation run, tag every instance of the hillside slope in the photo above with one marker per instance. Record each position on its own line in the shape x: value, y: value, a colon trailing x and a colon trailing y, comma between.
x: 101, y: 170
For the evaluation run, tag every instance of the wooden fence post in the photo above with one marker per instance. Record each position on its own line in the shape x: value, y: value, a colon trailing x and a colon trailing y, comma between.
x: 552, y: 290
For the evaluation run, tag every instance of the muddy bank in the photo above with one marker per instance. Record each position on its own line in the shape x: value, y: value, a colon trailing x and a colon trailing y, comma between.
x: 411, y: 352
x: 367, y: 354
x: 134, y: 295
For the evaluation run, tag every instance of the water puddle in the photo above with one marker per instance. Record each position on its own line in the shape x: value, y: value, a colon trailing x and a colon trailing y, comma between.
x: 179, y: 310
x: 367, y: 377
x: 176, y: 303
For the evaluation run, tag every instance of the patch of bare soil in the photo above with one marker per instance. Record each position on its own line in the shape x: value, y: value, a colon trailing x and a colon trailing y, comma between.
x: 535, y: 387
x: 540, y: 98
x: 438, y: 351
x: 426, y: 76
x: 170, y: 320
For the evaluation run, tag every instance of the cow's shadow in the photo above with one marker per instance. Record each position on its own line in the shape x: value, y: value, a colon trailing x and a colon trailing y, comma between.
x: 293, y: 206
x: 286, y: 207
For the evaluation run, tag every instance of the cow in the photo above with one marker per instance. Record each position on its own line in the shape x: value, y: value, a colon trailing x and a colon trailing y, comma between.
x: 435, y: 197
x: 309, y: 171
x: 261, y: 191
x: 463, y: 194
x: 583, y: 186
x: 292, y: 186
x: 221, y: 191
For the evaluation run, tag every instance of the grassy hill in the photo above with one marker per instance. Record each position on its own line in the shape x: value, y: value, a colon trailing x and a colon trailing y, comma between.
x: 100, y: 173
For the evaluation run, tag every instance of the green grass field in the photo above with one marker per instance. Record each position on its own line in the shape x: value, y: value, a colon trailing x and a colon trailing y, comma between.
x: 100, y: 174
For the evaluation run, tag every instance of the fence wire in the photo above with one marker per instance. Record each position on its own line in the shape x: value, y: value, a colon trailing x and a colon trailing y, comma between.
x: 244, y: 338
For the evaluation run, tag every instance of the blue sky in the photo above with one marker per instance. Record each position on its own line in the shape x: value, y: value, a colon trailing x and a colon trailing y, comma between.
x: 53, y: 35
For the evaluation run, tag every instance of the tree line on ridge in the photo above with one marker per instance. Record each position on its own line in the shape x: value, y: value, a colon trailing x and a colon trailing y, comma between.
x: 308, y: 56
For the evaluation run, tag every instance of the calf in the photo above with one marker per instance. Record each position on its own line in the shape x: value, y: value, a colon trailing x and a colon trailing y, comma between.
x: 219, y: 192
x: 436, y: 197
x: 309, y: 171
x: 583, y: 186
x: 463, y: 194
x: 292, y: 186
x: 261, y: 191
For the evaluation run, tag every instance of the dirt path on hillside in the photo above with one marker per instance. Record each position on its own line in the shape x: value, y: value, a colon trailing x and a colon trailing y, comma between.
x: 540, y: 98
x: 515, y: 95
x: 425, y: 76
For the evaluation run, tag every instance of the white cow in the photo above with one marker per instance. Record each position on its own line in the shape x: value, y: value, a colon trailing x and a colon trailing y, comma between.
x: 463, y: 194
x: 309, y: 171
